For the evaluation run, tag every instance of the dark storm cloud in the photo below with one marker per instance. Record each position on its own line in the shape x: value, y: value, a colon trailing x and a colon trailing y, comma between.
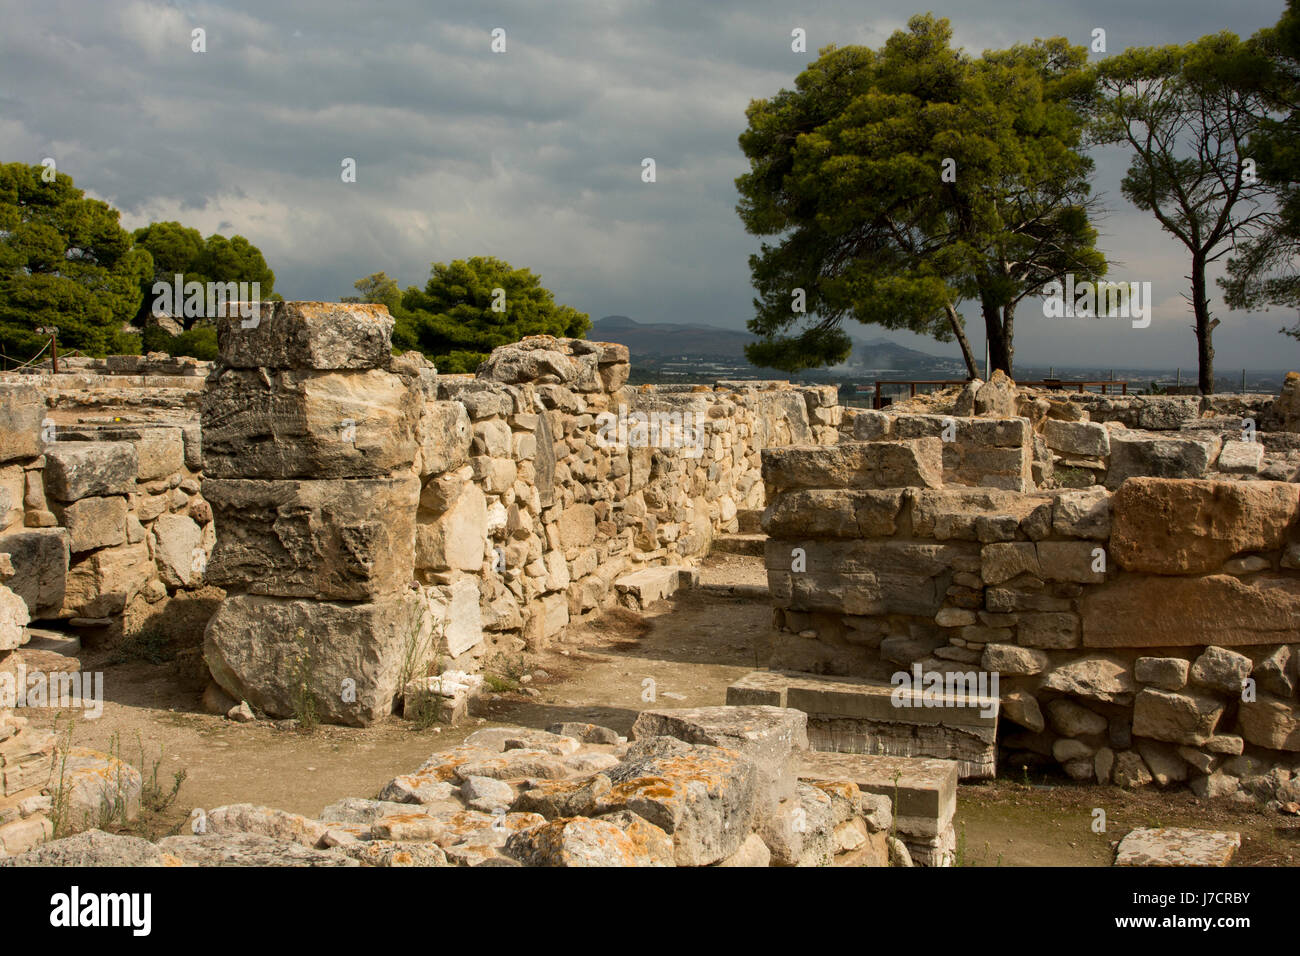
x: 533, y: 156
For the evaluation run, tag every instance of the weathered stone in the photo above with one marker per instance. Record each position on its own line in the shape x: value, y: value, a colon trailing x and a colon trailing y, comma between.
x: 914, y: 463
x: 1275, y: 673
x: 343, y: 540
x: 76, y: 470
x: 305, y: 424
x: 1079, y: 439
x: 1163, y: 761
x: 93, y: 522
x: 40, y: 558
x: 1130, y: 772
x: 1002, y: 562
x: 1271, y: 723
x: 445, y: 435
x: 1176, y: 846
x: 1022, y: 708
x: 454, y: 534
x: 836, y: 513
x: 178, y: 550
x: 1095, y: 677
x: 1178, y: 718
x: 1221, y: 670
x: 94, y: 848
x: 702, y: 796
x: 22, y: 410
x: 1240, y: 457
x: 103, y: 583
x: 1083, y: 514
x: 13, y: 620
x: 578, y: 841
x: 273, y: 652
x: 1142, y: 611
x: 1048, y: 630
x: 1191, y: 527
x: 248, y: 849
x: 1134, y: 455
x: 1167, y: 673
x: 1073, y: 720
x: 771, y: 737
x: 307, y: 335
x: 1010, y: 659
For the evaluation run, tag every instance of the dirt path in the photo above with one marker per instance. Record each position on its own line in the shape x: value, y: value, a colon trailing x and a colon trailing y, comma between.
x: 680, y: 653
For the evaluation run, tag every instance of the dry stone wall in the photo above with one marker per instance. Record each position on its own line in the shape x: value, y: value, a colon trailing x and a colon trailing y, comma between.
x: 377, y: 522
x: 1143, y: 628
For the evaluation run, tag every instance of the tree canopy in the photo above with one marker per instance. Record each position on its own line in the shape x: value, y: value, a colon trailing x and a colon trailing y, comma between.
x: 469, y: 307
x: 1186, y: 112
x: 65, y: 262
x: 906, y: 180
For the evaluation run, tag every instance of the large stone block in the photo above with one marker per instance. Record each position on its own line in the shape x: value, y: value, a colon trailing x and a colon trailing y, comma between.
x: 317, y: 335
x: 310, y: 424
x: 347, y: 658
x: 82, y: 469
x: 772, y: 737
x: 1272, y: 723
x: 1080, y: 439
x: 103, y: 583
x: 904, y: 464
x: 178, y: 550
x: 1134, y: 455
x: 835, y: 513
x: 1150, y: 611
x: 334, y: 540
x: 452, y: 532
x: 1192, y: 527
x: 160, y: 452
x: 953, y: 513
x: 445, y: 435
x: 22, y: 409
x: 1181, y: 718
x: 40, y: 558
x: 93, y: 522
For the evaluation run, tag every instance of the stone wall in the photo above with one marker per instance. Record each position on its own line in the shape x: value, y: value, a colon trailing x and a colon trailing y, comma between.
x: 377, y: 522
x: 1121, y: 619
x: 96, y: 512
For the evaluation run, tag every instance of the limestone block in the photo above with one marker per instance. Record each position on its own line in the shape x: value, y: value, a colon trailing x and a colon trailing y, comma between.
x: 75, y: 470
x: 309, y: 424
x: 336, y: 540
x: 456, y: 536
x: 1079, y: 439
x: 307, y: 335
x: 1181, y: 718
x: 93, y: 522
x: 904, y: 464
x: 22, y: 410
x: 1133, y: 455
x: 176, y: 539
x: 269, y: 650
x: 1158, y: 611
x: 40, y: 558
x: 102, y: 583
x: 1190, y: 527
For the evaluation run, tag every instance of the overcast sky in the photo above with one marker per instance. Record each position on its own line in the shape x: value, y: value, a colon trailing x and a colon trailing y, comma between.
x: 533, y: 155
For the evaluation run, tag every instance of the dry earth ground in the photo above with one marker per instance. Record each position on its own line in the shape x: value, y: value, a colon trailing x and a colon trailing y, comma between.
x: 687, y: 650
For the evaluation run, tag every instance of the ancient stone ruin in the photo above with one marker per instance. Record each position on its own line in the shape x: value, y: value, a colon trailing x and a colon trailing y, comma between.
x: 984, y: 579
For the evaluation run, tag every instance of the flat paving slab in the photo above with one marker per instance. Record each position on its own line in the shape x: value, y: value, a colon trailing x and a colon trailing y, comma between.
x: 1177, y: 846
x: 924, y: 788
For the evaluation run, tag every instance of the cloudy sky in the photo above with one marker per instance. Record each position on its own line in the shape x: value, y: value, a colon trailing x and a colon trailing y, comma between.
x: 533, y: 155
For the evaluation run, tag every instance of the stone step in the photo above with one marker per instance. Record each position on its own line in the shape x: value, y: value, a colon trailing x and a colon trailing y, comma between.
x: 750, y: 520
x: 752, y: 544
x: 923, y: 792
x: 1177, y: 846
x: 858, y: 715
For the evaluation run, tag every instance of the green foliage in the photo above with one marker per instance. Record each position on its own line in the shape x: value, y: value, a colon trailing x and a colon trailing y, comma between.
x: 1187, y: 113
x: 849, y: 170
x: 199, y: 341
x: 178, y: 250
x: 452, y: 319
x: 65, y: 262
x: 1262, y: 270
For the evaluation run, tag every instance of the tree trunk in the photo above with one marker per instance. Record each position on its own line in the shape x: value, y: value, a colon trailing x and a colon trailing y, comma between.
x: 999, y: 343
x: 1204, y: 326
x: 959, y: 330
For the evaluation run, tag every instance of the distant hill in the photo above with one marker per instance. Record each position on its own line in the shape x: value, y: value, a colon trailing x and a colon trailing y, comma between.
x: 694, y: 340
